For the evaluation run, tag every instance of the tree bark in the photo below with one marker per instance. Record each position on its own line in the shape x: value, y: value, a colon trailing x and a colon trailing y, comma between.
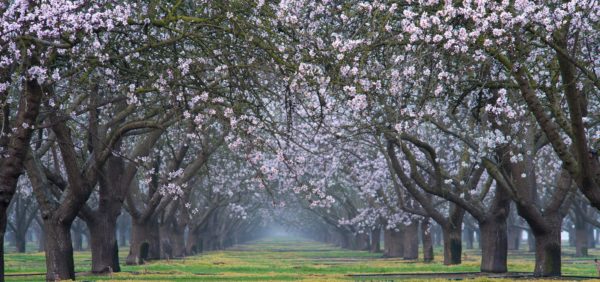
x: 103, y: 243
x: 452, y: 244
x: 493, y: 247
x: 145, y: 242
x: 59, y: 250
x: 426, y: 237
x: 393, y: 243
x: 514, y: 238
x: 376, y: 240
x: 411, y: 241
x: 548, y: 253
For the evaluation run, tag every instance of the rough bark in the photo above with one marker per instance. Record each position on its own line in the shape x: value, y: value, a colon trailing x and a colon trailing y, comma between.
x: 452, y: 237
x: 411, y: 241
x: 393, y: 243
x: 145, y: 242
x: 494, y: 246
x: 376, y: 240
x: 15, y: 149
x: 426, y: 237
x: 103, y: 243
x: 59, y: 250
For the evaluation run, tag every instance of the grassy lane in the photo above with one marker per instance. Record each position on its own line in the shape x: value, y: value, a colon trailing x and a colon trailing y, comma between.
x: 282, y: 259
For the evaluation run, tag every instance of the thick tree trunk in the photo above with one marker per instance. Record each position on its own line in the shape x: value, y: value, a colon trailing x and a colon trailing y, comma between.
x: 411, y: 241
x: 145, y: 242
x: 393, y: 242
x: 193, y: 243
x: 493, y: 247
x: 548, y: 253
x: 427, y: 240
x: 362, y: 242
x: 59, y: 251
x: 452, y: 245
x: 103, y: 243
x: 376, y: 240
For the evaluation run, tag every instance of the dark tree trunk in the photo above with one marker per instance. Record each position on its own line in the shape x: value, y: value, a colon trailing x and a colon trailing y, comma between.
x: 548, y: 253
x: 20, y: 241
x: 362, y: 242
x: 145, y: 242
x: 581, y: 233
x: 468, y: 235
x: 376, y: 240
x: 452, y: 244
x: 3, y: 221
x: 393, y: 242
x: 493, y: 247
x: 427, y: 239
x: 103, y: 243
x: 59, y: 251
x: 411, y: 241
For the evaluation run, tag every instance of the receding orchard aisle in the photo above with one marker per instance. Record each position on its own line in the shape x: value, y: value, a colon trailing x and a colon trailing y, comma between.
x: 292, y: 258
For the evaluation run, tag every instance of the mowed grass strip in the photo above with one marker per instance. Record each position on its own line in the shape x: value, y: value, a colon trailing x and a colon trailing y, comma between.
x: 284, y: 259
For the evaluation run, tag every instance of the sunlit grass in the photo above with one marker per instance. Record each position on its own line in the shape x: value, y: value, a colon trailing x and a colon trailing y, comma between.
x: 285, y: 259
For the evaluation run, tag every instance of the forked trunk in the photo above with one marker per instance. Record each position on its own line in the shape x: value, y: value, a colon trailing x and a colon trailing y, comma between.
x: 59, y: 251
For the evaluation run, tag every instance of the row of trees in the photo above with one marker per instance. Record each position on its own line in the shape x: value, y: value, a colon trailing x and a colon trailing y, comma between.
x: 206, y: 117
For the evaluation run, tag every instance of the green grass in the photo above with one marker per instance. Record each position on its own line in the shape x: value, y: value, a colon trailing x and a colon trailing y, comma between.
x: 283, y: 259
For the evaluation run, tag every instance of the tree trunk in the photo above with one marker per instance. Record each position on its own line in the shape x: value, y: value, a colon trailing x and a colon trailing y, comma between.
x: 41, y: 238
x: 103, y: 243
x: 145, y: 242
x: 468, y: 235
x: 362, y: 242
x: 452, y: 244
x: 376, y: 240
x: 59, y: 251
x: 531, y: 241
x: 427, y: 240
x: 514, y: 238
x: 591, y: 239
x: 3, y: 221
x: 547, y: 253
x: 581, y: 232
x: 20, y: 241
x: 77, y: 239
x: 411, y: 241
x: 494, y: 246
x: 393, y: 242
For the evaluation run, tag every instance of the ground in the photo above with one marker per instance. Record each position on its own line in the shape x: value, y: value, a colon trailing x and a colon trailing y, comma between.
x: 285, y: 258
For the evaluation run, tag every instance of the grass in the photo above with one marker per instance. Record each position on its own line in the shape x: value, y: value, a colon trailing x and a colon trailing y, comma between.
x: 284, y: 259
